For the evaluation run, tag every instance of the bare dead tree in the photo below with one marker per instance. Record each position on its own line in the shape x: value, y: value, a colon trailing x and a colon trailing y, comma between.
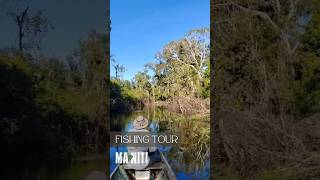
x: 119, y: 69
x: 31, y: 28
x: 20, y: 20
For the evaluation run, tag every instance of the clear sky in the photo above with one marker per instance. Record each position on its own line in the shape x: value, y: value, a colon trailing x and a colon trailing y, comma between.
x: 72, y: 19
x: 140, y: 28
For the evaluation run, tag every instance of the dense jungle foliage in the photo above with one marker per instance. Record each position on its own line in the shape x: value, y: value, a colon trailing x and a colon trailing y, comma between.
x: 266, y: 92
x: 50, y: 107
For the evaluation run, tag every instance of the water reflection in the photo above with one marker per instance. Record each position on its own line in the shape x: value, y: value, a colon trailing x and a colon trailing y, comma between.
x: 189, y: 160
x: 59, y: 170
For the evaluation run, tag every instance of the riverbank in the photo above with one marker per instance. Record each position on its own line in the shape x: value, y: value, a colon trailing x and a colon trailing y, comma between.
x: 198, y: 107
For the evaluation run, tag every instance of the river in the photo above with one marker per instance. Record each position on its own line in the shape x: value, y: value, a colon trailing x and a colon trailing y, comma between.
x: 76, y: 169
x: 185, y: 161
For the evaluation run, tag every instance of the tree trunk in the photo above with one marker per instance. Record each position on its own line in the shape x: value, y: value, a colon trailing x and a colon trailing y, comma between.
x: 20, y: 21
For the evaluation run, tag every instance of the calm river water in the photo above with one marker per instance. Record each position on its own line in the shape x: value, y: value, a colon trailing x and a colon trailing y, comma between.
x: 183, y: 162
x: 67, y: 170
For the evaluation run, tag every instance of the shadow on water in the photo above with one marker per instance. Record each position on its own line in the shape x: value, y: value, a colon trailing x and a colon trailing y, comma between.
x: 189, y: 160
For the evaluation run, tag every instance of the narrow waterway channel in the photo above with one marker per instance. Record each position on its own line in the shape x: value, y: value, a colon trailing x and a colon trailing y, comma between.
x: 184, y: 159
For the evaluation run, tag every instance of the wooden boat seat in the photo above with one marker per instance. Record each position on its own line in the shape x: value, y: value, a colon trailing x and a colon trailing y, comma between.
x: 155, y: 166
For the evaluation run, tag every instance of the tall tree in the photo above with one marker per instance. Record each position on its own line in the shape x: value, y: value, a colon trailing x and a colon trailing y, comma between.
x: 119, y: 69
x: 31, y: 28
x: 185, y: 60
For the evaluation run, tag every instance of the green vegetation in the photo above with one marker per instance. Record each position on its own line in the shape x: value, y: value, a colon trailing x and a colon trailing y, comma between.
x: 266, y: 88
x: 51, y: 108
x: 179, y: 77
x: 173, y: 90
x: 123, y: 96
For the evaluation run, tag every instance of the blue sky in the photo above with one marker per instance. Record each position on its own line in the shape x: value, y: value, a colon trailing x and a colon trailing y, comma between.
x: 140, y: 28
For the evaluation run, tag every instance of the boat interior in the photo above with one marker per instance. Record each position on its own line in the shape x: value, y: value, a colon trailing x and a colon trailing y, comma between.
x: 151, y: 172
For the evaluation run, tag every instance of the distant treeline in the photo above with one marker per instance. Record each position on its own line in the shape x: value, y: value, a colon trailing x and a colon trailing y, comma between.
x: 50, y: 107
x: 181, y: 71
